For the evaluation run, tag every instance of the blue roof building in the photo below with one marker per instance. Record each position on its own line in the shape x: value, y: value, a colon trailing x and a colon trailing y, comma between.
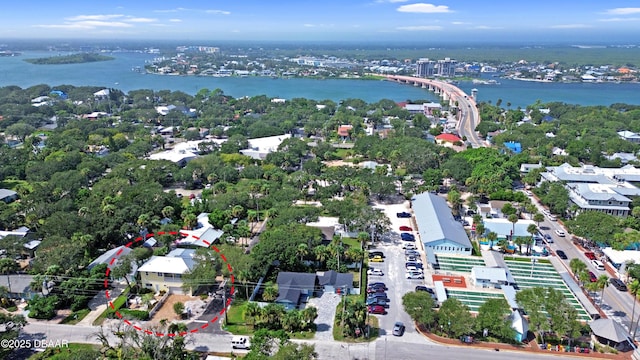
x: 437, y: 228
x: 515, y: 147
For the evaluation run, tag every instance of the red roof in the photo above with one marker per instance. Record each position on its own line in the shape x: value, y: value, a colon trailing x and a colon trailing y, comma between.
x: 343, y: 130
x: 448, y: 137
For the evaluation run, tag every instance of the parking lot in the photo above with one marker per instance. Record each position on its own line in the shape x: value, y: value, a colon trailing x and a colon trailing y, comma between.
x: 394, y: 271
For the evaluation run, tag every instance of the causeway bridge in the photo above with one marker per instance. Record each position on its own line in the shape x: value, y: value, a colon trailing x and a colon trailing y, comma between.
x: 468, y: 116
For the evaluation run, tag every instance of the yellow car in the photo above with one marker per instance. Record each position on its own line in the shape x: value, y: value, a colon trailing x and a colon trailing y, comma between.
x: 376, y: 258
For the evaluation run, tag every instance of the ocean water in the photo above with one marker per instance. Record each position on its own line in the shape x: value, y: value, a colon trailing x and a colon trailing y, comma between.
x: 119, y: 74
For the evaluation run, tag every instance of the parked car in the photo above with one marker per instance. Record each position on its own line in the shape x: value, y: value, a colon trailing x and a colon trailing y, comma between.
x: 411, y: 253
x: 376, y: 253
x: 378, y: 284
x: 590, y: 255
x: 407, y: 237
x: 376, y: 258
x: 413, y: 274
x: 376, y: 272
x: 414, y: 264
x: 377, y: 302
x: 411, y: 258
x: 373, y: 290
x: 403, y: 214
x: 378, y: 296
x: 425, y: 289
x: 398, y: 329
x: 592, y: 277
x: 561, y: 255
x: 376, y: 309
x: 560, y: 233
x: 618, y: 284
x: 548, y: 238
x: 409, y: 246
x: 598, y: 265
x: 405, y: 228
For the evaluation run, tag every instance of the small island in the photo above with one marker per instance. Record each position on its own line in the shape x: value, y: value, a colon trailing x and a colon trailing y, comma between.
x: 70, y: 59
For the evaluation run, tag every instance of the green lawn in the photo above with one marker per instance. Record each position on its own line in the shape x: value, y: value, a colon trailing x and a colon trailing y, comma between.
x: 75, y: 317
x: 372, y: 321
x: 235, y: 323
x: 117, y: 304
x: 72, y: 351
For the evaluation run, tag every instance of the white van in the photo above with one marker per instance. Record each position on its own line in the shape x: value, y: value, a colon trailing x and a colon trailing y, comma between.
x: 240, y: 342
x: 597, y: 264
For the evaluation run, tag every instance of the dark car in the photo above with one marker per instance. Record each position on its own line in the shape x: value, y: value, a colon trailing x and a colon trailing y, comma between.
x: 376, y: 309
x: 405, y: 228
x: 416, y: 264
x: 398, y: 329
x: 403, y: 214
x: 382, y: 296
x: 407, y: 237
x: 425, y: 289
x: 618, y: 284
x: 377, y: 302
x: 371, y: 290
x: 378, y: 284
x: 561, y: 255
x: 592, y: 277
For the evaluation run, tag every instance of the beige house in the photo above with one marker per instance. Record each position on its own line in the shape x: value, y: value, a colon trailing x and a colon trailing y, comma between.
x: 165, y: 272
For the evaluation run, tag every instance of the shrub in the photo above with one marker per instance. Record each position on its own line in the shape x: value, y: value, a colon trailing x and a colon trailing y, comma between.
x: 135, y: 314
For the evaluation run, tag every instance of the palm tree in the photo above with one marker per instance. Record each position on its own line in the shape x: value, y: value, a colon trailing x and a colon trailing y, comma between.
x: 531, y: 229
x: 634, y: 289
x: 270, y: 293
x: 321, y: 253
x: 601, y: 284
x: 513, y: 219
x: 492, y: 236
x: 168, y: 211
x: 252, y: 313
x: 309, y: 315
x: 302, y: 251
x: 538, y: 218
x: 578, y: 267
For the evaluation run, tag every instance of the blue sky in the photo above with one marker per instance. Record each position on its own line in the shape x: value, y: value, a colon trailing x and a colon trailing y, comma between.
x: 587, y: 21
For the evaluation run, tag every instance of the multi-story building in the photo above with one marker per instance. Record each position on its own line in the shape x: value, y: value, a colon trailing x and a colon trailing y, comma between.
x: 591, y: 188
x: 427, y: 68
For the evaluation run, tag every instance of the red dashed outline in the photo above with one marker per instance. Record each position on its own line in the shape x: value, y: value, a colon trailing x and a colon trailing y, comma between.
x: 159, y: 334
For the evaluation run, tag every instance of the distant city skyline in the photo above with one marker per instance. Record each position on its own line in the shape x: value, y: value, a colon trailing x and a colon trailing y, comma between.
x: 329, y: 20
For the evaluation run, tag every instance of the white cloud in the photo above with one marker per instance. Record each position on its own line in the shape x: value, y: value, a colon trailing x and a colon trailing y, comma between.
x: 141, y: 20
x: 459, y: 23
x: 485, y: 27
x: 424, y: 8
x: 175, y: 20
x: 420, y: 28
x: 309, y: 25
x: 95, y: 24
x: 570, y: 26
x: 620, y: 19
x: 623, y: 11
x: 95, y: 17
x: 219, y: 12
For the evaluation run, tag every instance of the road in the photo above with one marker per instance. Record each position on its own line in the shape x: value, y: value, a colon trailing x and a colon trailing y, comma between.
x: 469, y: 116
x: 411, y: 346
x: 616, y: 305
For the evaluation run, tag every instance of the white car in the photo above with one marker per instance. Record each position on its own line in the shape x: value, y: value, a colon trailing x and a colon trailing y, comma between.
x: 415, y: 275
x: 409, y: 246
x: 377, y: 272
x: 560, y: 233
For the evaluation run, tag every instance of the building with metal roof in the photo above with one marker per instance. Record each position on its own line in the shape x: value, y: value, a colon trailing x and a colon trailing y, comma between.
x: 437, y: 227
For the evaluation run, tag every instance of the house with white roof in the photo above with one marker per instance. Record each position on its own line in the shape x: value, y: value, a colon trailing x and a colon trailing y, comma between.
x: 204, y: 235
x: 490, y: 277
x: 438, y: 230
x: 592, y: 188
x: 165, y: 272
x: 259, y: 148
x: 629, y: 136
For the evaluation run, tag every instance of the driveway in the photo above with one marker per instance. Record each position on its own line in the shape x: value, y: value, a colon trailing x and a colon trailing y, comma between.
x: 326, y: 305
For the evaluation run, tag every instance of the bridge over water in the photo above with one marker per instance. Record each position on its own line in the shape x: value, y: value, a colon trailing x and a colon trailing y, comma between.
x: 467, y: 115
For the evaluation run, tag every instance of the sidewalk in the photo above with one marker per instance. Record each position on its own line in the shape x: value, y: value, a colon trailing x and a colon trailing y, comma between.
x: 92, y: 316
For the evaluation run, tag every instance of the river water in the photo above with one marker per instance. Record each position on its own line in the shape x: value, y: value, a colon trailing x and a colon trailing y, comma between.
x: 119, y: 74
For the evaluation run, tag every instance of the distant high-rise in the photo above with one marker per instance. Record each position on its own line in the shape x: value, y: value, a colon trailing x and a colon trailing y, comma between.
x: 447, y: 67
x: 428, y: 68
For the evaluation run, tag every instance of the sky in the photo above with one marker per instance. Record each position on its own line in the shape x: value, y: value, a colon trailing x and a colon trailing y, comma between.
x: 579, y: 21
